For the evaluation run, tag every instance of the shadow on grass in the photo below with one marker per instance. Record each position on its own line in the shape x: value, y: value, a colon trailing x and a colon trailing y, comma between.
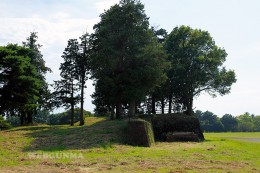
x: 59, y: 138
x: 29, y: 128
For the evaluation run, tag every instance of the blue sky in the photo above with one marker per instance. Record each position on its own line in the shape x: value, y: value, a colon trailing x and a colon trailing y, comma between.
x: 234, y: 24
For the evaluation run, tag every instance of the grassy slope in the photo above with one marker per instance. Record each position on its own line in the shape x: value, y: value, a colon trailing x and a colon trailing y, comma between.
x: 102, y: 147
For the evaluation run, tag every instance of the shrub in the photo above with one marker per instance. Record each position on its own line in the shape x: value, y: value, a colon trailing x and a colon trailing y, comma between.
x: 13, y: 120
x: 140, y: 133
x: 178, y: 122
x: 4, y: 124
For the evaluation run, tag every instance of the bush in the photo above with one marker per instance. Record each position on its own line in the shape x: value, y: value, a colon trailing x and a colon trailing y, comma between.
x: 4, y: 124
x: 140, y: 133
x: 178, y: 122
x: 13, y: 120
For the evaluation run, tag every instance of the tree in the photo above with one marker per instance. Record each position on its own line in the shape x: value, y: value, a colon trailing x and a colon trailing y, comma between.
x: 36, y: 59
x: 19, y: 82
x: 197, y: 66
x: 82, y: 65
x: 161, y: 92
x: 126, y: 55
x: 66, y: 88
x: 256, y: 121
x: 35, y: 55
x: 229, y: 122
x: 42, y: 117
x: 102, y: 98
x: 245, y: 123
x: 209, y: 121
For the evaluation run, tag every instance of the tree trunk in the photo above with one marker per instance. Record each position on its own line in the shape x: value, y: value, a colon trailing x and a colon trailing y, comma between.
x: 22, y: 116
x: 131, y: 111
x: 72, y: 106
x: 170, y: 104
x: 163, y: 105
x: 190, y: 106
x: 112, y: 116
x: 153, y: 105
x: 29, y: 117
x: 136, y: 108
x: 119, y: 111
x: 72, y: 115
x: 82, y: 100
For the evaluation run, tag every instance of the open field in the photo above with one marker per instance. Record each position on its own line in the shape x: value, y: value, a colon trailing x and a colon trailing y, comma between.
x: 99, y: 147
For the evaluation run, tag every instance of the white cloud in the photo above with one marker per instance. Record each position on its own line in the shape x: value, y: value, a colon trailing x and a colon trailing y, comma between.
x: 52, y: 34
x: 60, y: 15
x: 104, y: 5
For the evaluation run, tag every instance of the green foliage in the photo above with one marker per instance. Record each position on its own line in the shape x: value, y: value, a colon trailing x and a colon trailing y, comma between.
x: 140, y: 133
x: 35, y: 55
x: 42, y: 117
x: 209, y: 122
x: 197, y: 66
x: 178, y: 122
x: 256, y: 121
x: 13, y: 120
x: 4, y: 124
x: 82, y: 64
x: 127, y: 60
x: 245, y: 123
x: 230, y: 123
x: 65, y: 117
x: 66, y: 88
x: 23, y: 88
x: 36, y: 59
x: 20, y: 85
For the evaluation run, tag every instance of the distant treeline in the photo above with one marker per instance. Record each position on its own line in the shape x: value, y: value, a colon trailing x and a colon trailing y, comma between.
x: 228, y: 123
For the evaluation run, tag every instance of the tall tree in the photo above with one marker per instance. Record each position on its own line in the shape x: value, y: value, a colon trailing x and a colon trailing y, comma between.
x: 197, y: 66
x: 127, y: 55
x: 66, y: 88
x: 36, y: 59
x: 82, y: 65
x: 160, y: 92
x: 19, y: 82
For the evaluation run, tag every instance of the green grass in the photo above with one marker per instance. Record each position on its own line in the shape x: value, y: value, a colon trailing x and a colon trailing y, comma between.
x: 99, y: 147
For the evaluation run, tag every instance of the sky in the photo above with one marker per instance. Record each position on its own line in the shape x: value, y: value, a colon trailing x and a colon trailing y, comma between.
x: 234, y: 25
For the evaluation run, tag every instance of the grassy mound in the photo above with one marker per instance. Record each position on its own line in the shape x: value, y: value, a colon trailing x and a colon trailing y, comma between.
x: 100, y: 145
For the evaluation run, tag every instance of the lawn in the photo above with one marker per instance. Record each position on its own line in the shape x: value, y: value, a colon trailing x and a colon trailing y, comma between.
x: 99, y: 147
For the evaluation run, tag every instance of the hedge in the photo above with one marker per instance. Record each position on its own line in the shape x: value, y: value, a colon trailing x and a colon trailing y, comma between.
x: 164, y: 124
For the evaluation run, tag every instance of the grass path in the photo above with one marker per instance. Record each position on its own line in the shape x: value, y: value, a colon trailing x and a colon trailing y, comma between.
x: 99, y: 147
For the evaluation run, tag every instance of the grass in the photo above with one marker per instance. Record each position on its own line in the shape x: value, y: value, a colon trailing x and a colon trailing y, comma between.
x: 99, y: 147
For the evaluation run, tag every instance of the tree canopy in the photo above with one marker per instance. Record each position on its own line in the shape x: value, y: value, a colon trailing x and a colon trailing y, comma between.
x: 66, y: 89
x: 197, y: 66
x: 126, y: 55
x: 20, y: 85
x: 136, y: 68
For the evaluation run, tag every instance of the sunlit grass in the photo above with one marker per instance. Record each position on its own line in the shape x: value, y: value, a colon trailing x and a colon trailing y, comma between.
x: 100, y: 145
